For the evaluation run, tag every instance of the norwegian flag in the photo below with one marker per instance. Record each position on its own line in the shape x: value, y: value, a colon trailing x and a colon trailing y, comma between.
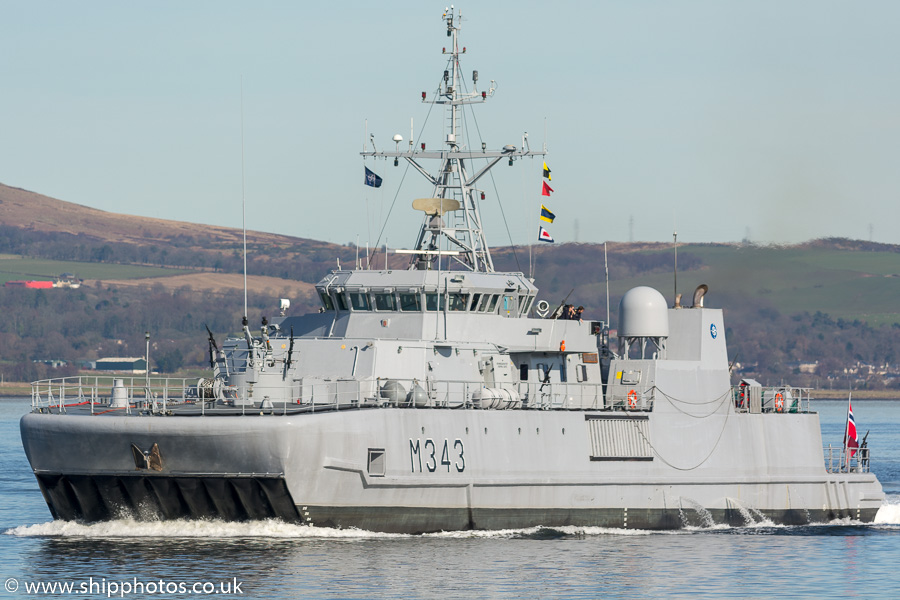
x: 851, y: 440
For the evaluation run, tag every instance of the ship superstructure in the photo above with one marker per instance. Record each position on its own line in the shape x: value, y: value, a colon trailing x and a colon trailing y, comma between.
x: 440, y: 397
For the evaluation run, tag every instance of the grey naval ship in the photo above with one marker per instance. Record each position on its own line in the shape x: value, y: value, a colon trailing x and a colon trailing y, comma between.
x: 449, y: 396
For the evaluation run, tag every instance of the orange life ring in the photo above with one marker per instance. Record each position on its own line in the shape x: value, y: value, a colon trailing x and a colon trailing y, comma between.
x: 779, y: 402
x: 632, y: 399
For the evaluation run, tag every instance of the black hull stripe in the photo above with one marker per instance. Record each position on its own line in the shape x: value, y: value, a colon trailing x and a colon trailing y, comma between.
x: 425, y: 520
x: 92, y: 498
x: 103, y: 497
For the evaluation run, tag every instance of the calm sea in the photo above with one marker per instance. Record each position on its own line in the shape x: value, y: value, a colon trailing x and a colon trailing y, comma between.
x: 274, y: 560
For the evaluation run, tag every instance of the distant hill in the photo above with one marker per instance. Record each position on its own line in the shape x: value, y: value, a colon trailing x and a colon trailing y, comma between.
x: 847, y: 279
x: 35, y: 225
x: 822, y: 314
x: 35, y: 212
x: 831, y: 303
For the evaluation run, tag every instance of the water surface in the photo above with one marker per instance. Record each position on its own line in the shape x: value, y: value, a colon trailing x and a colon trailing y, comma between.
x: 277, y: 560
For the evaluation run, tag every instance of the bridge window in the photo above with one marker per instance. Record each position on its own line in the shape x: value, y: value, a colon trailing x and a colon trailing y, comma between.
x: 526, y: 304
x: 475, y: 299
x: 410, y: 303
x: 341, y: 302
x: 458, y: 301
x: 359, y: 301
x: 326, y: 301
x: 385, y: 302
x: 492, y: 304
x: 434, y: 302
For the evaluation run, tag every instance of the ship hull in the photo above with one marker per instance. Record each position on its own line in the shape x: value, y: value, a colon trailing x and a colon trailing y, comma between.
x: 415, y: 471
x: 406, y: 520
x: 92, y: 498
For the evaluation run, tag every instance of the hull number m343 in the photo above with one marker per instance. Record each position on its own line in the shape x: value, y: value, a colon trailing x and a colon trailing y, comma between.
x: 434, y: 455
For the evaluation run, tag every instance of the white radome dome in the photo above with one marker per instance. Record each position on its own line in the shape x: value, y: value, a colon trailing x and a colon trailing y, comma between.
x: 643, y: 312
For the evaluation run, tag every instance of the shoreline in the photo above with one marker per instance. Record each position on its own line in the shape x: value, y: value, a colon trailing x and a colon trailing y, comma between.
x: 10, y: 389
x: 859, y: 394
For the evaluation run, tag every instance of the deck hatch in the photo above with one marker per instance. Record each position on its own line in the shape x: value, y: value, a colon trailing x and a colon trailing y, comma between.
x: 619, y: 438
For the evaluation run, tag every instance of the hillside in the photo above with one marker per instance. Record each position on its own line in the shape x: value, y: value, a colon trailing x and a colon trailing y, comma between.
x: 35, y: 212
x: 827, y: 303
x: 821, y: 314
x: 847, y: 279
x: 34, y: 225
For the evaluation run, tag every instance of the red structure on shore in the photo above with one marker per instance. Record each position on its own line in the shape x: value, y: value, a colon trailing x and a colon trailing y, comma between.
x: 31, y: 284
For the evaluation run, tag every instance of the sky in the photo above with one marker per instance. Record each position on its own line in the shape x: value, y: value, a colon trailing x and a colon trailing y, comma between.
x: 776, y: 121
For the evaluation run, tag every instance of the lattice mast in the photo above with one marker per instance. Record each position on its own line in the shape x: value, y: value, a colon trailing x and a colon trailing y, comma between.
x: 451, y: 226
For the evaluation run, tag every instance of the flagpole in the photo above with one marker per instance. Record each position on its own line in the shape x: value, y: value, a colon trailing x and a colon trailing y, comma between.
x: 243, y: 200
x: 525, y: 179
x: 541, y: 207
x: 533, y: 259
x: 606, y: 267
x: 847, y: 430
x: 675, y: 270
x: 368, y: 231
x: 530, y: 262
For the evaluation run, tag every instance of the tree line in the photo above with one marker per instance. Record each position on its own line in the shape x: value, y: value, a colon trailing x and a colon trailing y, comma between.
x: 299, y: 261
x: 88, y: 323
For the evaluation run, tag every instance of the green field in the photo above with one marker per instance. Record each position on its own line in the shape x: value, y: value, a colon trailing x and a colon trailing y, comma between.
x: 845, y: 284
x: 15, y: 268
x: 848, y: 284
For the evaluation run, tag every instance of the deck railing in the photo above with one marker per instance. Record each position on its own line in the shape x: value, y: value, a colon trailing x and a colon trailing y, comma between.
x: 98, y: 392
x: 104, y: 394
x: 161, y: 395
x: 839, y: 459
x: 771, y: 399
